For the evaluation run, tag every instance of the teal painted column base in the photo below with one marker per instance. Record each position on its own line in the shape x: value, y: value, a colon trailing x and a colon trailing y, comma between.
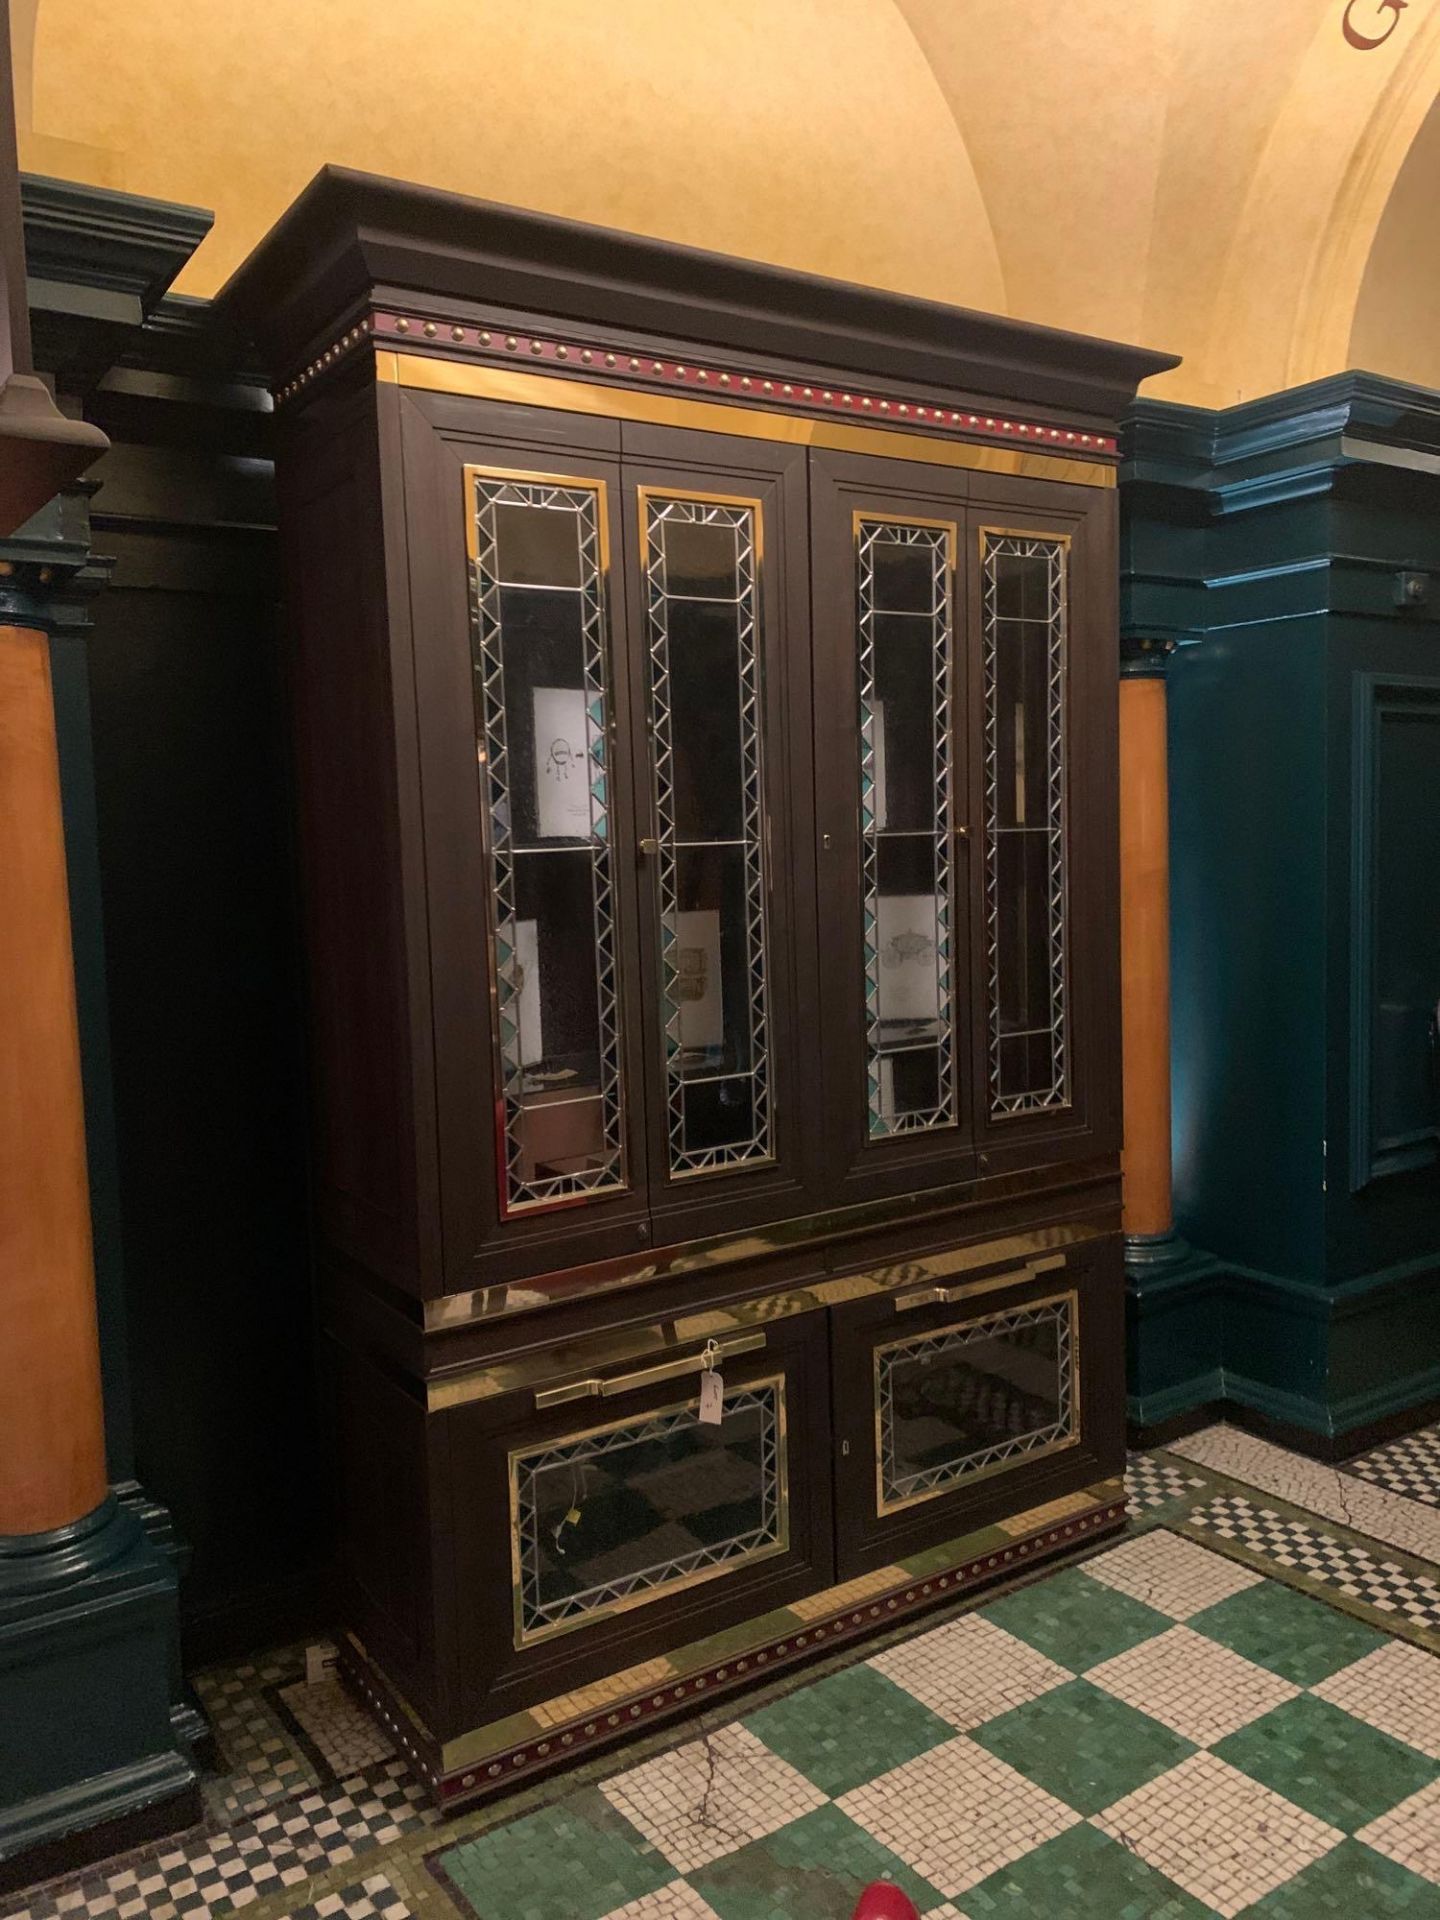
x: 89, y: 1759
x: 1328, y: 1368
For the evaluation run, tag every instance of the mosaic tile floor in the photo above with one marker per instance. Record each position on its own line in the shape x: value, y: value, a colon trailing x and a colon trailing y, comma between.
x: 1234, y: 1711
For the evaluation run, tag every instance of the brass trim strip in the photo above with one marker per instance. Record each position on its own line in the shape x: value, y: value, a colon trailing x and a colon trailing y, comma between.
x: 947, y: 1296
x: 425, y: 373
x: 455, y: 1310
x: 610, y: 1386
x: 550, y: 1366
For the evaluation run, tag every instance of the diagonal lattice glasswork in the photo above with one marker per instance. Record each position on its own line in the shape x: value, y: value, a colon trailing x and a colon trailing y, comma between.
x: 1024, y: 608
x: 905, y: 635
x: 609, y: 1519
x: 542, y: 702
x: 972, y: 1399
x: 704, y: 646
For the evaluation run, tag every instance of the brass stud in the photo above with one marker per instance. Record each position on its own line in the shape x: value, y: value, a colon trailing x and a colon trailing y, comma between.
x: 457, y: 333
x: 809, y: 393
x: 402, y: 325
x: 485, y: 339
x: 537, y: 346
x: 511, y: 342
x: 724, y: 379
x: 634, y: 366
x: 430, y: 329
x: 562, y: 353
x: 587, y: 356
x: 609, y: 359
x: 769, y: 386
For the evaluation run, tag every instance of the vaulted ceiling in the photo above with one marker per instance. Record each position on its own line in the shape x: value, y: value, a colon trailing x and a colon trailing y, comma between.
x: 1208, y: 176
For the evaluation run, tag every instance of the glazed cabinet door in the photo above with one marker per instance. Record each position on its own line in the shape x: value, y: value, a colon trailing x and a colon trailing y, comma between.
x: 1044, y: 870
x: 720, y: 683
x: 966, y: 1392
x: 893, y: 799
x: 599, y: 1519
x: 514, y: 530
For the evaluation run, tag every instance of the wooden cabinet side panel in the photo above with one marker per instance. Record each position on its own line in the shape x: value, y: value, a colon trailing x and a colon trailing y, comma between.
x: 369, y: 1130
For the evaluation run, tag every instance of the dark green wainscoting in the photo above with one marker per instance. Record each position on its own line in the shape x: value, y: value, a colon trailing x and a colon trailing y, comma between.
x: 1288, y: 550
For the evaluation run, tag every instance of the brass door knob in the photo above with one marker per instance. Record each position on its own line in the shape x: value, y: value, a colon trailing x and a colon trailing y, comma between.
x: 649, y: 848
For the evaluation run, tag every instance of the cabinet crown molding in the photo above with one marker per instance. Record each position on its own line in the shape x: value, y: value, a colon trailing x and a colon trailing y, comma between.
x: 350, y: 233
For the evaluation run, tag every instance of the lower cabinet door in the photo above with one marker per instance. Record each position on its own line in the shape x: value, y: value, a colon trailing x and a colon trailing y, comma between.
x: 599, y: 1532
x: 958, y: 1405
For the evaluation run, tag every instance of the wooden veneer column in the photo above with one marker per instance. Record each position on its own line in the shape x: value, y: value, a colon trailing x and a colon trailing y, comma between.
x: 1145, y: 951
x: 52, y: 1444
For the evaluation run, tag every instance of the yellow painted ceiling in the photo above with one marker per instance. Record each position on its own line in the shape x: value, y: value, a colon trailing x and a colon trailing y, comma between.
x: 1208, y: 176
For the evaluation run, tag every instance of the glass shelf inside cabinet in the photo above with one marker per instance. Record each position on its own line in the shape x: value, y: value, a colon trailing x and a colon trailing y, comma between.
x: 1023, y: 644
x: 904, y: 622
x: 701, y: 556
x: 538, y: 560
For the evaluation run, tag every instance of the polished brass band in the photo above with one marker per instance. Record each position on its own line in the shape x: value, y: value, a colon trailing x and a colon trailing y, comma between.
x: 811, y: 1231
x: 428, y: 373
x: 1021, y: 1255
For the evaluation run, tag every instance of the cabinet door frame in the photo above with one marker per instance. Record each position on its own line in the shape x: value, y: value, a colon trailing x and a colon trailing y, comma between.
x: 483, y: 1241
x: 867, y: 1537
x: 845, y: 488
x: 499, y: 1676
x: 716, y: 468
x: 1089, y: 1122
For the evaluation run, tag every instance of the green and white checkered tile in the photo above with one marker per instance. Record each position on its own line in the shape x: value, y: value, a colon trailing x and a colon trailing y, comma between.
x: 1158, y: 1734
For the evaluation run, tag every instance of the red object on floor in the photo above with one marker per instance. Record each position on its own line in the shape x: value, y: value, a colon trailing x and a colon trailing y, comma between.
x: 881, y: 1901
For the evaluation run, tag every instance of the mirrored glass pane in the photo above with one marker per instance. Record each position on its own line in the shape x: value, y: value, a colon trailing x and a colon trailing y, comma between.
x: 609, y: 1519
x: 542, y: 708
x: 1023, y: 642
x: 702, y: 605
x: 974, y: 1398
x: 904, y: 634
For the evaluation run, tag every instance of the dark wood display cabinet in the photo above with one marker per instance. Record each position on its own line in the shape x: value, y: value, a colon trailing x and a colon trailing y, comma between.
x: 704, y: 682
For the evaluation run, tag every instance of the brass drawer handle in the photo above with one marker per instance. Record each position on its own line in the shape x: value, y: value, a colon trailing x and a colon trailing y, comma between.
x: 714, y: 1352
x: 947, y: 1296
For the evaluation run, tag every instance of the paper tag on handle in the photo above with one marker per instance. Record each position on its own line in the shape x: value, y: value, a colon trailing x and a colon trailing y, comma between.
x: 712, y: 1398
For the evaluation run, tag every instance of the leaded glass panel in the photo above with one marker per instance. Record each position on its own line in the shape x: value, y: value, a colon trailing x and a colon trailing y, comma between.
x: 606, y: 1520
x: 971, y: 1399
x: 904, y: 629
x: 1024, y: 609
x: 704, y: 641
x: 542, y: 697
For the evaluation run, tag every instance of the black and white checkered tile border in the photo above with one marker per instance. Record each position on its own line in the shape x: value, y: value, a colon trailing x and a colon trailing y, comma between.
x: 372, y: 1899
x: 1154, y: 1483
x: 213, y: 1872
x: 1410, y: 1466
x: 1350, y: 1569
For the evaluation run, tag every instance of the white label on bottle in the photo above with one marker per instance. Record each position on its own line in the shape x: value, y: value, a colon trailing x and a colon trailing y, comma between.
x: 712, y: 1398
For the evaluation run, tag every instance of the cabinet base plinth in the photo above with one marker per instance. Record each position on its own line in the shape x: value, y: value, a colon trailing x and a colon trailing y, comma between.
x: 514, y: 1751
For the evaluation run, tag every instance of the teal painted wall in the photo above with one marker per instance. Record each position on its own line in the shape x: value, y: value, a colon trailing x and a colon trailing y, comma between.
x: 1265, y: 542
